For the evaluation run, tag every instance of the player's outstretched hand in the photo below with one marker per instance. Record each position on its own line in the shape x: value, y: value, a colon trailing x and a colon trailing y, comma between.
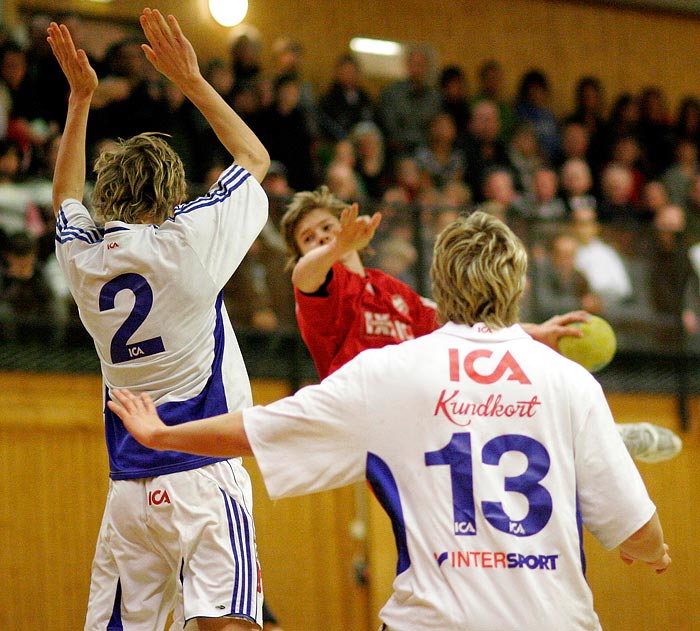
x: 556, y: 327
x: 356, y: 231
x: 138, y: 413
x: 81, y: 76
x: 660, y: 565
x: 170, y: 52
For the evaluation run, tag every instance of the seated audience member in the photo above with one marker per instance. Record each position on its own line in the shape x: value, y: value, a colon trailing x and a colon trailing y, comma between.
x: 575, y: 142
x: 346, y: 103
x: 491, y: 87
x: 556, y: 285
x: 525, y: 156
x: 654, y: 198
x: 29, y: 309
x: 17, y: 209
x: 372, y: 165
x: 440, y: 157
x: 483, y: 147
x: 577, y: 185
x: 678, y: 177
x: 615, y: 201
x: 533, y: 104
x: 406, y: 106
x: 692, y: 211
x: 627, y: 152
x: 600, y: 262
x: 669, y: 265
x: 543, y: 203
x: 454, y: 89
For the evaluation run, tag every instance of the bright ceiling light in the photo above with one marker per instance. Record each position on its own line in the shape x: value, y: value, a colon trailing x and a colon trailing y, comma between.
x: 375, y: 46
x: 228, y: 12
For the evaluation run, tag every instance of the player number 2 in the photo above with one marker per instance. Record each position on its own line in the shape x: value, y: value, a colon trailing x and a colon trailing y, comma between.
x: 121, y: 349
x: 457, y: 454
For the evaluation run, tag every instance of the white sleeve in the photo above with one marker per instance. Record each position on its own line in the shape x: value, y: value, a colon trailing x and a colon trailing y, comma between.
x: 222, y: 225
x: 75, y: 232
x: 612, y: 496
x: 314, y: 441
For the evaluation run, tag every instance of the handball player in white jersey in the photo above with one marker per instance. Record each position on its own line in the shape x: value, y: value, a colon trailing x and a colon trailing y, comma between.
x: 148, y: 284
x: 488, y: 450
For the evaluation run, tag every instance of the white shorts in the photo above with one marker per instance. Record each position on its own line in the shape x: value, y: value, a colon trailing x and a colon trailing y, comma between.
x: 188, y: 536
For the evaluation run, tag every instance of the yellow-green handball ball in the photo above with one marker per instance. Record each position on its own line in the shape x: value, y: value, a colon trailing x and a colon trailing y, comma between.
x: 595, y: 350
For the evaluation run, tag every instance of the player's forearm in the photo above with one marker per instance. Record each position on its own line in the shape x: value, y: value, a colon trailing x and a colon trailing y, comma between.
x: 312, y: 269
x: 647, y: 544
x: 220, y: 436
x: 238, y: 139
x: 69, y: 174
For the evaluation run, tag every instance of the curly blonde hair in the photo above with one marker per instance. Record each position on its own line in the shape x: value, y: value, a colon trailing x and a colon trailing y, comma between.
x: 478, y: 272
x: 140, y: 180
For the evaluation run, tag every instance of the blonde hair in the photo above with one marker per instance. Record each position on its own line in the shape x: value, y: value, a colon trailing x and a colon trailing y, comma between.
x: 478, y: 272
x: 140, y: 179
x: 301, y: 205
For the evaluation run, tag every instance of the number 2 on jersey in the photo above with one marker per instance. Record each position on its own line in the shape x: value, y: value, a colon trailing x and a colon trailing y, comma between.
x: 457, y: 454
x: 121, y: 350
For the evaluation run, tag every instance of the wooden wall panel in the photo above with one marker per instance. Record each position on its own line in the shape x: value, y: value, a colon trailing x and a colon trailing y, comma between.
x: 626, y: 48
x: 53, y: 483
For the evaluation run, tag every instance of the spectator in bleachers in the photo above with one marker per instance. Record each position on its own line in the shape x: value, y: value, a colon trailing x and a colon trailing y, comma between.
x: 557, y: 286
x: 655, y: 130
x: 543, y: 202
x: 483, y: 147
x: 627, y: 152
x: 615, y: 201
x: 346, y: 102
x: 525, y: 155
x: 288, y: 55
x: 454, y: 89
x: 654, y: 198
x: 678, y: 177
x: 406, y: 106
x: 589, y: 112
x: 128, y: 100
x: 24, y: 124
x: 623, y: 120
x: 687, y: 123
x: 372, y: 165
x: 499, y: 194
x: 440, y: 156
x: 284, y: 132
x: 575, y: 143
x: 17, y: 209
x: 340, y: 176
x: 600, y: 262
x: 491, y: 83
x: 245, y: 53
x: 577, y: 185
x: 692, y: 212
x: 669, y: 266
x: 533, y: 104
x: 28, y: 307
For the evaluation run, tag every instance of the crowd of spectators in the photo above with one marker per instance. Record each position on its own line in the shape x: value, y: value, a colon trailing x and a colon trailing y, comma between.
x: 606, y: 197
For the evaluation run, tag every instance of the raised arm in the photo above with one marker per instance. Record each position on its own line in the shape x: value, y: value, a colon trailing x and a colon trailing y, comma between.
x: 172, y: 55
x: 219, y: 436
x: 355, y: 233
x: 647, y: 545
x: 69, y: 174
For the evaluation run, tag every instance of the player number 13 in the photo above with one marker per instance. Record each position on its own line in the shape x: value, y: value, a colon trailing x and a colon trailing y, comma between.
x: 457, y: 455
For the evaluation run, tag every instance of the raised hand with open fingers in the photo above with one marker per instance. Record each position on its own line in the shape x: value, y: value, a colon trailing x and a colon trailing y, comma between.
x: 170, y: 52
x: 81, y: 76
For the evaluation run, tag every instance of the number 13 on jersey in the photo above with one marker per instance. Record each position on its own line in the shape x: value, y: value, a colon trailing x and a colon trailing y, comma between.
x: 457, y: 455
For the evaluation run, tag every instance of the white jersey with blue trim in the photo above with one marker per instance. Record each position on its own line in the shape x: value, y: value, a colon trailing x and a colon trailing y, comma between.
x: 489, y: 451
x: 151, y: 298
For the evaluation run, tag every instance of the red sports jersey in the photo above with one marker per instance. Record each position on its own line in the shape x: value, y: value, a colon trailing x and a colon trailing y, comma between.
x: 351, y: 313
